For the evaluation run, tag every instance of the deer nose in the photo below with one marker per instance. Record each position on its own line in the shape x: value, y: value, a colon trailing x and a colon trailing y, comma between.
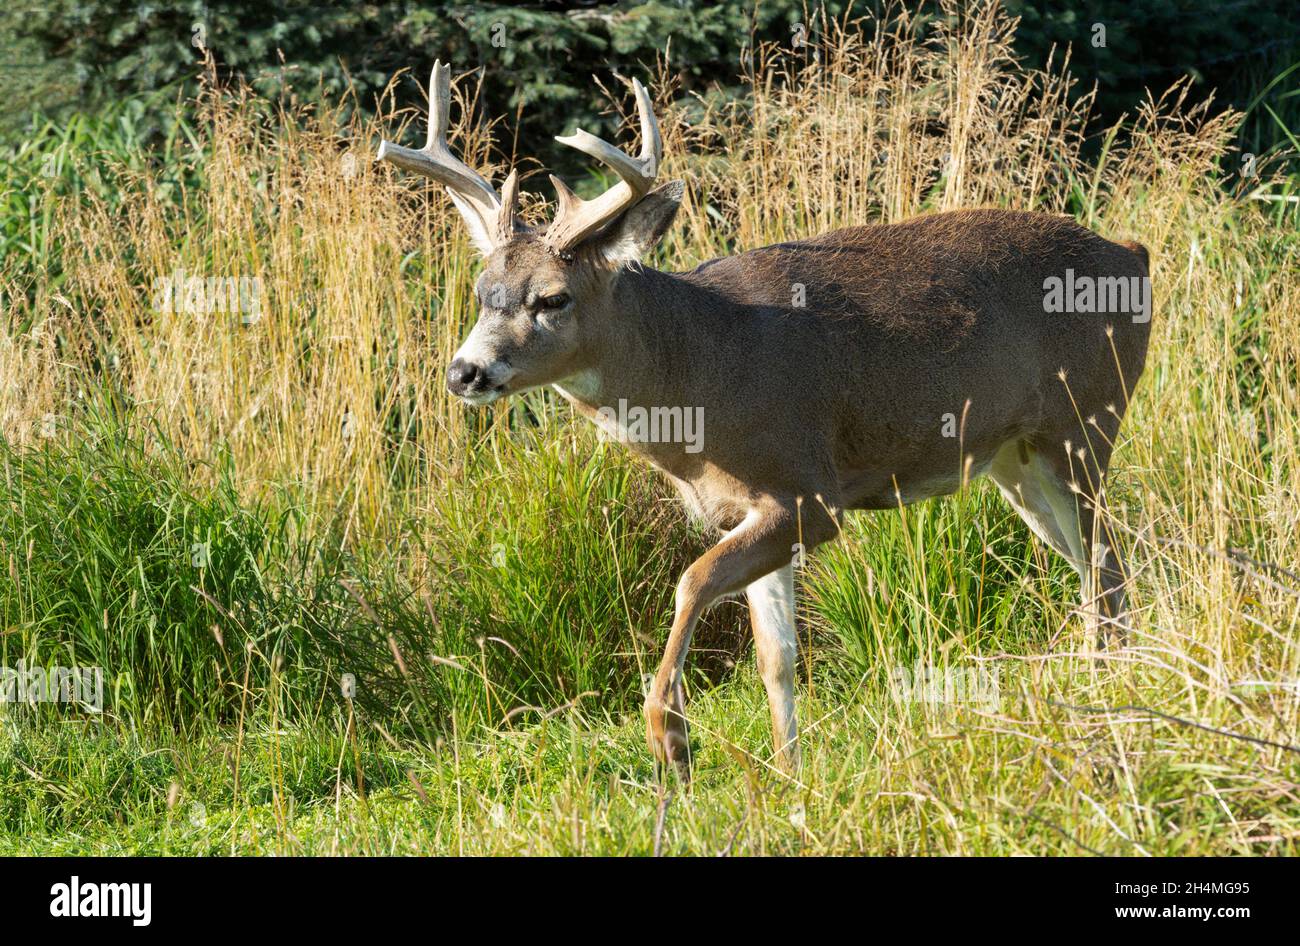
x: 462, y: 376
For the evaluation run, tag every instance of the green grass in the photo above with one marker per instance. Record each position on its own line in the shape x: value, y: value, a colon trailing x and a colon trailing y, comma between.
x: 118, y: 559
x: 580, y: 784
x: 210, y: 747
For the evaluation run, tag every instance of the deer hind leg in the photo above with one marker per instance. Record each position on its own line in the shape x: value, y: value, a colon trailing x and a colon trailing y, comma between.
x: 776, y: 646
x: 1106, y: 575
x: 758, y: 546
x: 1071, y: 517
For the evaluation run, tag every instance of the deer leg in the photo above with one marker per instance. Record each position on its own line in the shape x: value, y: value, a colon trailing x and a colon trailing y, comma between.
x: 758, y: 546
x: 1106, y: 578
x: 1035, y: 495
x: 1070, y: 517
x: 771, y: 613
x: 1102, y: 572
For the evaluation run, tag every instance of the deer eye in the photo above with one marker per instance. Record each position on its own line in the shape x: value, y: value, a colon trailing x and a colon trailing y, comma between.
x: 557, y: 301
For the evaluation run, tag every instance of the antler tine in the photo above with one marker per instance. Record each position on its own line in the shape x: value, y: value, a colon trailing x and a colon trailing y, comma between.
x: 470, y: 192
x: 577, y: 219
x: 506, y: 223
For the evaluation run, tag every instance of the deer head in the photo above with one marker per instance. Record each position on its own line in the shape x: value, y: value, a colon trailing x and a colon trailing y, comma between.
x: 544, y: 295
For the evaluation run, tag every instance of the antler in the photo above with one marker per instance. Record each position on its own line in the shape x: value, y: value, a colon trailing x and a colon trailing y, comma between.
x: 491, y: 219
x: 577, y: 219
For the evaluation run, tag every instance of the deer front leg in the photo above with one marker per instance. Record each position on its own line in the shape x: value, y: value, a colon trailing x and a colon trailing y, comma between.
x: 776, y: 647
x: 755, y: 548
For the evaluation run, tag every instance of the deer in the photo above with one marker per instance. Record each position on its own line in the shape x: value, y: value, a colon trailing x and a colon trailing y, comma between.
x: 825, y: 368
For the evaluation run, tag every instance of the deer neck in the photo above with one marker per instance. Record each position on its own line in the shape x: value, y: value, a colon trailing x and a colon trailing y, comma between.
x: 642, y: 351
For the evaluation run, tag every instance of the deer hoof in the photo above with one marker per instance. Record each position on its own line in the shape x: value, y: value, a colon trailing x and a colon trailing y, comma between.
x: 666, y: 733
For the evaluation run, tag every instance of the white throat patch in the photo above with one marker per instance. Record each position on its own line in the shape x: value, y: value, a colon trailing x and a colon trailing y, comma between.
x: 583, y: 386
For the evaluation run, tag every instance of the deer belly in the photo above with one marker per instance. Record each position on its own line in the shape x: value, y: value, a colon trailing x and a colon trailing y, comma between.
x: 883, y: 489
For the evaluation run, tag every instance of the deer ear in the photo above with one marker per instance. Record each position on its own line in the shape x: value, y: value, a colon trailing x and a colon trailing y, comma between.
x: 644, y: 225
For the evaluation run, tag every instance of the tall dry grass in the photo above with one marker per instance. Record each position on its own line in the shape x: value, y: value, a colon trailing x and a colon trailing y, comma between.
x: 336, y: 386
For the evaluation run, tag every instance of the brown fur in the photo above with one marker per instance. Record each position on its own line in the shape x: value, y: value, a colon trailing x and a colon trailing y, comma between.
x: 831, y: 372
x: 840, y: 403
